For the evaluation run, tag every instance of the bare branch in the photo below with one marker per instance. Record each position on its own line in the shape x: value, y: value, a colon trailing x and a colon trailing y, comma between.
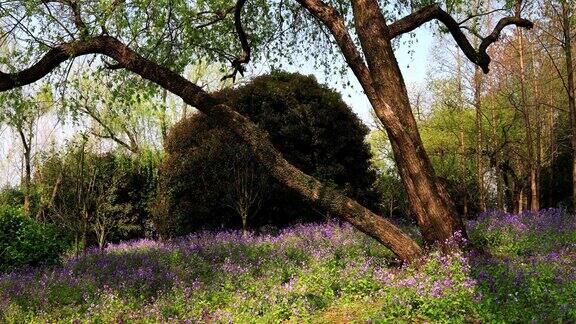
x: 219, y: 16
x: 479, y: 57
x: 472, y: 31
x: 481, y: 15
x: 244, y: 58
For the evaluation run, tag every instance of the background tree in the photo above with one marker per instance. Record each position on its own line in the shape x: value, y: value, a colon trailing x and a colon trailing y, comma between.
x: 97, y: 197
x: 558, y: 31
x: 21, y: 112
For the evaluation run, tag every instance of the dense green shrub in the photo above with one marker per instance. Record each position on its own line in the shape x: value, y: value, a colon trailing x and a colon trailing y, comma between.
x: 205, y: 164
x: 24, y: 241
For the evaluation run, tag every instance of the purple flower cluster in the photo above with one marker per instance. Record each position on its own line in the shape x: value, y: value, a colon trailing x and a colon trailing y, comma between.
x: 551, y: 219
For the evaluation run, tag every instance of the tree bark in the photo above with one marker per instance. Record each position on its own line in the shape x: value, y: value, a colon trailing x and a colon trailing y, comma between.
x: 429, y: 200
x: 384, y: 86
x: 461, y: 141
x: 244, y: 216
x: 478, y: 139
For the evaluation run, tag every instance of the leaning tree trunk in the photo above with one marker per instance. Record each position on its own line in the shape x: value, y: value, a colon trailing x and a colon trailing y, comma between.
x: 307, y: 187
x: 429, y: 200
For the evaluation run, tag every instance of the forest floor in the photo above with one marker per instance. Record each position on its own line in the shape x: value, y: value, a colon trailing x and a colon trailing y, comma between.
x: 310, y: 273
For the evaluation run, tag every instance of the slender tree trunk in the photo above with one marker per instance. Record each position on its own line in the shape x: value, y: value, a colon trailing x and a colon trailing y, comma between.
x: 553, y: 155
x: 501, y: 183
x: 538, y: 133
x: 244, y: 215
x: 163, y: 121
x: 41, y: 209
x: 76, y: 245
x: 478, y: 138
x: 101, y: 241
x: 526, y: 112
x: 101, y: 232
x: 500, y: 190
x: 520, y: 201
x: 85, y: 232
x: 567, y: 35
x: 509, y: 192
x: 461, y: 142
x: 27, y: 172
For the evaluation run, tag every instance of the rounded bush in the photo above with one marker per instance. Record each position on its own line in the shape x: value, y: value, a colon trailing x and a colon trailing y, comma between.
x: 207, y: 166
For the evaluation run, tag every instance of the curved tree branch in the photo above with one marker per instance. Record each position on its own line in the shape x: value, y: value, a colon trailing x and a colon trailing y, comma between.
x: 304, y: 185
x: 244, y: 58
x: 479, y: 57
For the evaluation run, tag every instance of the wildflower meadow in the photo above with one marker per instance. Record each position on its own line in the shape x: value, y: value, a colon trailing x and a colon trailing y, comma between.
x: 322, y: 273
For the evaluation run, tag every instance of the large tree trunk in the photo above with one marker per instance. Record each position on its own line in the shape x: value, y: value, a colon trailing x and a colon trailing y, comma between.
x: 567, y: 35
x: 429, y: 200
